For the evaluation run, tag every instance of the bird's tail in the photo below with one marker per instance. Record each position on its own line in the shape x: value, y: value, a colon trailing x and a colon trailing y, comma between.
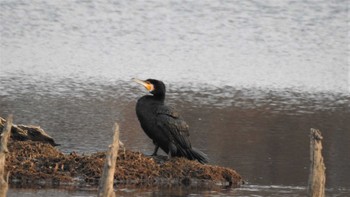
x: 198, y: 155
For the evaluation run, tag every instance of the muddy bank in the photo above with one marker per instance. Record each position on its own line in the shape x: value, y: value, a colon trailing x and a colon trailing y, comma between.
x: 39, y: 162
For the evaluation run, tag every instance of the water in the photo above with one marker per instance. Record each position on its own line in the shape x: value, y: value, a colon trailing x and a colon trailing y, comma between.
x: 273, y: 44
x: 250, y: 190
x: 169, y: 191
x: 250, y: 78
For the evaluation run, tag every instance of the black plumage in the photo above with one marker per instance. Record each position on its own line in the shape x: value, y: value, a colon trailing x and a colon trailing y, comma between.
x: 163, y: 124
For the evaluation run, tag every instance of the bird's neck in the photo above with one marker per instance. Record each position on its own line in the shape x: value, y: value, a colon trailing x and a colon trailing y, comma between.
x: 159, y: 97
x: 153, y: 98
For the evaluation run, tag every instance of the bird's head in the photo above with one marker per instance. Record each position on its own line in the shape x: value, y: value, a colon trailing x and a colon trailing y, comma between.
x: 155, y: 87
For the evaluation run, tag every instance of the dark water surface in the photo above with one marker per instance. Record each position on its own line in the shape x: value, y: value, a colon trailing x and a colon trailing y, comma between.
x: 170, y: 191
x: 263, y: 134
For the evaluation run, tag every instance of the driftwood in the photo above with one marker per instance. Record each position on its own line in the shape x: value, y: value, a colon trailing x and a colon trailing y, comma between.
x: 106, y: 183
x: 3, y: 151
x: 32, y: 133
x: 317, y: 177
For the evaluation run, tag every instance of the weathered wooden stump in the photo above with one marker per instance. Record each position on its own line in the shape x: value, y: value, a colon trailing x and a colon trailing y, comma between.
x: 317, y: 177
x: 5, y: 135
x: 107, y: 179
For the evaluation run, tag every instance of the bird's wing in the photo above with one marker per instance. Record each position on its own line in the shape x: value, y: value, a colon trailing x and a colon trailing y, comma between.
x: 171, y: 122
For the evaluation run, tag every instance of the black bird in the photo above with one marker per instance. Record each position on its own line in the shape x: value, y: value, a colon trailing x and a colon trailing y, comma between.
x: 163, y: 124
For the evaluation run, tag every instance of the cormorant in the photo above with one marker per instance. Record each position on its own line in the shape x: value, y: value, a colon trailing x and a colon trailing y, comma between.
x: 163, y: 124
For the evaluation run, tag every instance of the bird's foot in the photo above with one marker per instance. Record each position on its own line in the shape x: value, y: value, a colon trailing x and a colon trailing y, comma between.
x: 155, y: 150
x: 151, y: 155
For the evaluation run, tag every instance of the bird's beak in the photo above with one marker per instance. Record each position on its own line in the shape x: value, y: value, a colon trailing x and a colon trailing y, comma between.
x: 146, y: 84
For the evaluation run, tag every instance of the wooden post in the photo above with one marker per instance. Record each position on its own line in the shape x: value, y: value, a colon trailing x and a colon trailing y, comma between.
x: 317, y: 177
x: 105, y: 188
x: 6, y: 132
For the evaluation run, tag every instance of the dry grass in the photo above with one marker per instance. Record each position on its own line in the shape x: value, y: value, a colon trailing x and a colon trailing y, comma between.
x: 39, y: 163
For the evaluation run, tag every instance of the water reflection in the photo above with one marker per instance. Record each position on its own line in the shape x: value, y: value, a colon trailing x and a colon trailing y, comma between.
x: 246, y: 190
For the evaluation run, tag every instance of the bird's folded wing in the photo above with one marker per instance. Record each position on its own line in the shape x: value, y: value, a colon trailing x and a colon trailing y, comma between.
x: 170, y: 122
